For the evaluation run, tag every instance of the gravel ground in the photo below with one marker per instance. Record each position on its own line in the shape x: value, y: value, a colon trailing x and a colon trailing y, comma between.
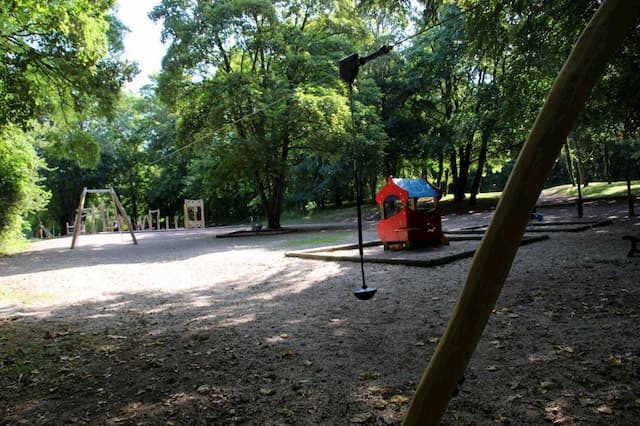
x: 184, y: 328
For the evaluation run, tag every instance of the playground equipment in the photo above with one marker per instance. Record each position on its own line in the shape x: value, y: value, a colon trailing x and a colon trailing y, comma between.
x: 194, y: 214
x: 349, y: 67
x: 410, y: 213
x: 148, y: 219
x: 81, y: 210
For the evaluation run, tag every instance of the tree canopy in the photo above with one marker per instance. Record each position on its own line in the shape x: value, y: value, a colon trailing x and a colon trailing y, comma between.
x: 59, y: 63
x: 250, y: 114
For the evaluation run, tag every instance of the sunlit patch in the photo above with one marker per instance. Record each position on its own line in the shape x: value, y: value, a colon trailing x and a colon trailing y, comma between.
x: 280, y: 338
x: 230, y: 322
x: 202, y: 301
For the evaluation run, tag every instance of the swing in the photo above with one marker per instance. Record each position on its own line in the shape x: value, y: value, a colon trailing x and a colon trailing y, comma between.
x: 349, y: 67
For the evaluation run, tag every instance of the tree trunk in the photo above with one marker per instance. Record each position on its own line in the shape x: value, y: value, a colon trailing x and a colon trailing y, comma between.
x: 453, y: 166
x: 438, y: 176
x: 482, y: 158
x: 464, y: 153
x: 492, y: 261
x: 337, y: 197
x: 372, y: 188
x: 605, y: 160
x: 569, y: 162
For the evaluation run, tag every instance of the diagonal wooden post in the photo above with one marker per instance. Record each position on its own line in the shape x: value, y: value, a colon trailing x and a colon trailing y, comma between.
x: 124, y: 214
x: 78, y: 221
x: 492, y: 262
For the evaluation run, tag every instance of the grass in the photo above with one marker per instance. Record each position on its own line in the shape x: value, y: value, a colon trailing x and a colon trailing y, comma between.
x: 594, y: 190
x: 485, y: 201
x: 326, y: 239
x: 9, y: 247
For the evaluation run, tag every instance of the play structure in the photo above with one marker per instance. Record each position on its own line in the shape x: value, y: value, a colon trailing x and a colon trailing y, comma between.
x: 82, y: 212
x: 410, y: 213
x: 147, y: 220
x: 194, y: 214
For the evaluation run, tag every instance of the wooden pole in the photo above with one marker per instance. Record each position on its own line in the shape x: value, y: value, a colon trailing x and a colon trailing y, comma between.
x: 630, y: 198
x: 492, y: 261
x: 579, y: 200
x: 124, y: 214
x: 76, y: 224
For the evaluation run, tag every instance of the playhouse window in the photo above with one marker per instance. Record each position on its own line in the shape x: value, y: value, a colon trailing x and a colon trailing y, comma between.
x: 392, y: 206
x: 426, y: 204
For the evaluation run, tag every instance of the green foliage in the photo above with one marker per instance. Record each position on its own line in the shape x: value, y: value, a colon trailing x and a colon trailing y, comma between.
x: 21, y: 192
x: 55, y: 58
x: 257, y: 82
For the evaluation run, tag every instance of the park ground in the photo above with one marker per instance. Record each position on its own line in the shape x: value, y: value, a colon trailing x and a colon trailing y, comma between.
x: 186, y: 328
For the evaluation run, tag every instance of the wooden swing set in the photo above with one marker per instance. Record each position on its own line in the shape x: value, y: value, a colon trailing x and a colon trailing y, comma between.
x: 120, y: 212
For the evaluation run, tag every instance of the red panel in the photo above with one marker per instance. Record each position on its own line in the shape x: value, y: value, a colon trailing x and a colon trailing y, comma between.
x: 407, y: 225
x: 411, y: 226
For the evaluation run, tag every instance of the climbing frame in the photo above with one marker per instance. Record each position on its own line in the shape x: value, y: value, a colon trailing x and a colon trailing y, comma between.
x: 119, y: 212
x: 194, y: 214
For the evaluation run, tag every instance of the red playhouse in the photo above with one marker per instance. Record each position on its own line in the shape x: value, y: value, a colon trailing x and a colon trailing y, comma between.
x: 411, y: 215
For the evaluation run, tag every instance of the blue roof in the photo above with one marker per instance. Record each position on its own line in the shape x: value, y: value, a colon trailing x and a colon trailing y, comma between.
x: 416, y: 187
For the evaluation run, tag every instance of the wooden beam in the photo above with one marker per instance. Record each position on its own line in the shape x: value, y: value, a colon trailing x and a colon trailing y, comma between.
x: 491, y: 264
x: 78, y: 221
x: 124, y: 214
x: 99, y: 191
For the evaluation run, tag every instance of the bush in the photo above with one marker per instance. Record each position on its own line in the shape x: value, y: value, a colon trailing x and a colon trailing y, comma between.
x: 20, y: 191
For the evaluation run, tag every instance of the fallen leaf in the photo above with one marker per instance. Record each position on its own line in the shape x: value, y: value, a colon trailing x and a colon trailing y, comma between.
x: 399, y: 400
x: 546, y: 384
x: 377, y: 390
x: 492, y: 368
x: 307, y: 363
x: 380, y: 404
x: 434, y: 339
x: 360, y: 418
x: 267, y: 391
x: 615, y: 361
x: 287, y: 354
x: 285, y: 411
x: 568, y: 349
x: 604, y: 409
x: 419, y: 343
x: 284, y: 336
x: 202, y: 389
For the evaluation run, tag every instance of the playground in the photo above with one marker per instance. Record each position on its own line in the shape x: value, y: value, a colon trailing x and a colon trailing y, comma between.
x: 186, y: 328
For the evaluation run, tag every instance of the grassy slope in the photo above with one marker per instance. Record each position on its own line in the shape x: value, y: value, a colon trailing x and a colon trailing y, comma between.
x: 485, y: 201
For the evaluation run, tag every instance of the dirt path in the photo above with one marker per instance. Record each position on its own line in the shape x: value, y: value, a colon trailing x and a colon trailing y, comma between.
x: 185, y: 328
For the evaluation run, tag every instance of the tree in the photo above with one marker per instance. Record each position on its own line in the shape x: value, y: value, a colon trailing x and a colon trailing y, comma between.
x: 21, y: 192
x: 58, y: 60
x: 256, y: 81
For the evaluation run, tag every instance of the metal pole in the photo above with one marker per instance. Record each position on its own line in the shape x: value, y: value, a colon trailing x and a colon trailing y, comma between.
x: 356, y: 174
